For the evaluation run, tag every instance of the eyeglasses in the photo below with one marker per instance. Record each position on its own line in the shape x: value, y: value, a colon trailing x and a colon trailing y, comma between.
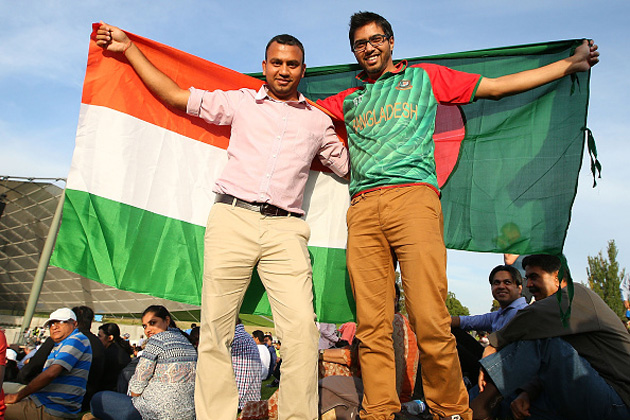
x: 375, y: 41
x: 56, y: 323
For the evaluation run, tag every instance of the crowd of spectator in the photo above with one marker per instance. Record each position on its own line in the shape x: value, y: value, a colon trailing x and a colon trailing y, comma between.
x: 71, y: 372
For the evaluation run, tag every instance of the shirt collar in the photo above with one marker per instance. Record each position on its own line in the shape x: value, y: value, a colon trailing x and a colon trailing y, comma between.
x: 400, y: 66
x: 263, y: 93
x: 514, y: 304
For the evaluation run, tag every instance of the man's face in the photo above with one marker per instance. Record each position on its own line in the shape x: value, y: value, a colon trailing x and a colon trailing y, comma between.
x: 268, y: 341
x: 540, y: 283
x: 374, y: 60
x: 504, y: 288
x: 283, y: 70
x: 59, y: 330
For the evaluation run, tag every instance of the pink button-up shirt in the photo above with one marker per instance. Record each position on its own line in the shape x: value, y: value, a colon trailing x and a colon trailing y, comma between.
x: 272, y: 144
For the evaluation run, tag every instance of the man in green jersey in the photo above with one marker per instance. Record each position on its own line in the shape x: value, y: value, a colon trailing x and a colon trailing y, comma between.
x: 395, y: 206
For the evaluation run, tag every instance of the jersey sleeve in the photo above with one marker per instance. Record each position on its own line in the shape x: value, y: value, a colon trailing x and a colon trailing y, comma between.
x: 451, y: 87
x: 334, y: 104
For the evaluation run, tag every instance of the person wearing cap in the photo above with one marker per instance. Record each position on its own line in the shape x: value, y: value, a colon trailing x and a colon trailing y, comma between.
x: 58, y: 391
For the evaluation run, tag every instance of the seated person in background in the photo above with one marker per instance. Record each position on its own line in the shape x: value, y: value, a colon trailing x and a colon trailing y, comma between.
x: 578, y: 371
x: 36, y: 362
x: 272, y: 354
x: 247, y: 365
x: 117, y: 354
x: 10, y: 368
x: 338, y: 363
x: 163, y: 384
x: 506, y: 285
x: 29, y: 351
x: 265, y: 357
x: 327, y: 335
x: 58, y: 391
x: 194, y: 336
x: 85, y: 316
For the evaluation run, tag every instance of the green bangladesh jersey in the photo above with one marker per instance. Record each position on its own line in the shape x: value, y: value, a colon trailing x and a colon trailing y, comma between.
x: 391, y: 121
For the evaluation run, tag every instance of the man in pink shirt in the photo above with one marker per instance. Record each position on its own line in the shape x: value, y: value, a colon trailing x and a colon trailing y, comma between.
x: 256, y: 219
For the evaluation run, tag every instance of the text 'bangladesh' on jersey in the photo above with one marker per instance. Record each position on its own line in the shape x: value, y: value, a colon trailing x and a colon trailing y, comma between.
x: 390, y: 123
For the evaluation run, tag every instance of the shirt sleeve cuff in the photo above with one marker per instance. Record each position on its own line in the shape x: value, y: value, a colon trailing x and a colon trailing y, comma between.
x: 194, y: 102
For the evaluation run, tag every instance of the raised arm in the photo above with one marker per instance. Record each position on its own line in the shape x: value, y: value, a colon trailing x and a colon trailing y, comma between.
x: 114, y: 39
x: 585, y: 57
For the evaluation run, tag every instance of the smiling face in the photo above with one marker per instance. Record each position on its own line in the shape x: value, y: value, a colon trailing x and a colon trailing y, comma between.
x: 374, y: 60
x: 59, y: 330
x: 153, y: 324
x: 283, y: 69
x: 540, y: 283
x: 504, y: 288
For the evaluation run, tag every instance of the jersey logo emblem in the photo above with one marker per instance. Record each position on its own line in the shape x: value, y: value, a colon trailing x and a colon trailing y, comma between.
x: 356, y: 101
x: 404, y: 85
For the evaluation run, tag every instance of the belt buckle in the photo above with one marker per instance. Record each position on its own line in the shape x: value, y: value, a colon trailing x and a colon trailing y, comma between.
x: 268, y: 210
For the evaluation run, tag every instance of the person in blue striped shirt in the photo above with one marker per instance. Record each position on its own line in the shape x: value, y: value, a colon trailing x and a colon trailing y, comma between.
x: 58, y: 391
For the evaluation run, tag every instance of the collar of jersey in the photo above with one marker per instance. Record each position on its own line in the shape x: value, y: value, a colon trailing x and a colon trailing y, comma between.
x: 400, y: 66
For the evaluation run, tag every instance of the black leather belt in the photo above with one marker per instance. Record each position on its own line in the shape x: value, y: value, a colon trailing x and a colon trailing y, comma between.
x: 262, y: 208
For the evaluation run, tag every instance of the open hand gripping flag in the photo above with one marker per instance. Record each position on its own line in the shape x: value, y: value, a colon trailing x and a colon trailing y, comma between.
x: 140, y: 185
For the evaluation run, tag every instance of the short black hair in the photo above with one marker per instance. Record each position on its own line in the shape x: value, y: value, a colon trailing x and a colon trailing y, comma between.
x: 360, y: 19
x: 85, y: 316
x: 259, y: 335
x: 285, y: 39
x: 548, y: 263
x: 516, y: 275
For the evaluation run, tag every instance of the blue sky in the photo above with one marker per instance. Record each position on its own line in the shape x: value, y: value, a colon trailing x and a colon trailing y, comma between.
x: 43, y: 53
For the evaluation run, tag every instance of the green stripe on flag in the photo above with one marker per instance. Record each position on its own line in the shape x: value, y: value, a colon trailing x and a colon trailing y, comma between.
x: 136, y: 250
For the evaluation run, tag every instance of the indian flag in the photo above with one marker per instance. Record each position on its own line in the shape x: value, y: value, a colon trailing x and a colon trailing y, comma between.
x: 140, y: 188
x: 140, y: 185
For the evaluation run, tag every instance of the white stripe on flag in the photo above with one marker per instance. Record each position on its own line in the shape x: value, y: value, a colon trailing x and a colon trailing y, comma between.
x: 130, y: 161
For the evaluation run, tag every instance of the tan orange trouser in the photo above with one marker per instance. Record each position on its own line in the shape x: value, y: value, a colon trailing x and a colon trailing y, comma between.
x: 236, y: 240
x: 27, y: 410
x: 406, y: 221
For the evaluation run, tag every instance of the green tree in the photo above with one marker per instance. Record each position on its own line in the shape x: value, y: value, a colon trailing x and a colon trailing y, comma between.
x: 454, y: 306
x: 604, y: 278
x: 495, y: 305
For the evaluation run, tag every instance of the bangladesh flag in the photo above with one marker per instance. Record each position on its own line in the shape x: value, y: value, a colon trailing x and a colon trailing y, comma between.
x: 140, y: 185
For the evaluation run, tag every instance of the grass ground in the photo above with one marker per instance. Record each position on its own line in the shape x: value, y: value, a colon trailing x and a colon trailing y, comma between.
x: 267, y: 391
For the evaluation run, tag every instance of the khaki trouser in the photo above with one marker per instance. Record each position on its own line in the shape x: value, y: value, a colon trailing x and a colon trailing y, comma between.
x: 406, y: 221
x: 236, y: 240
x: 27, y: 410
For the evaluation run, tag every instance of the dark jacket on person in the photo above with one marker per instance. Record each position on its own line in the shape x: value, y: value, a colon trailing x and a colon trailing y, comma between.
x: 116, y: 358
x: 594, y: 331
x: 94, y: 382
